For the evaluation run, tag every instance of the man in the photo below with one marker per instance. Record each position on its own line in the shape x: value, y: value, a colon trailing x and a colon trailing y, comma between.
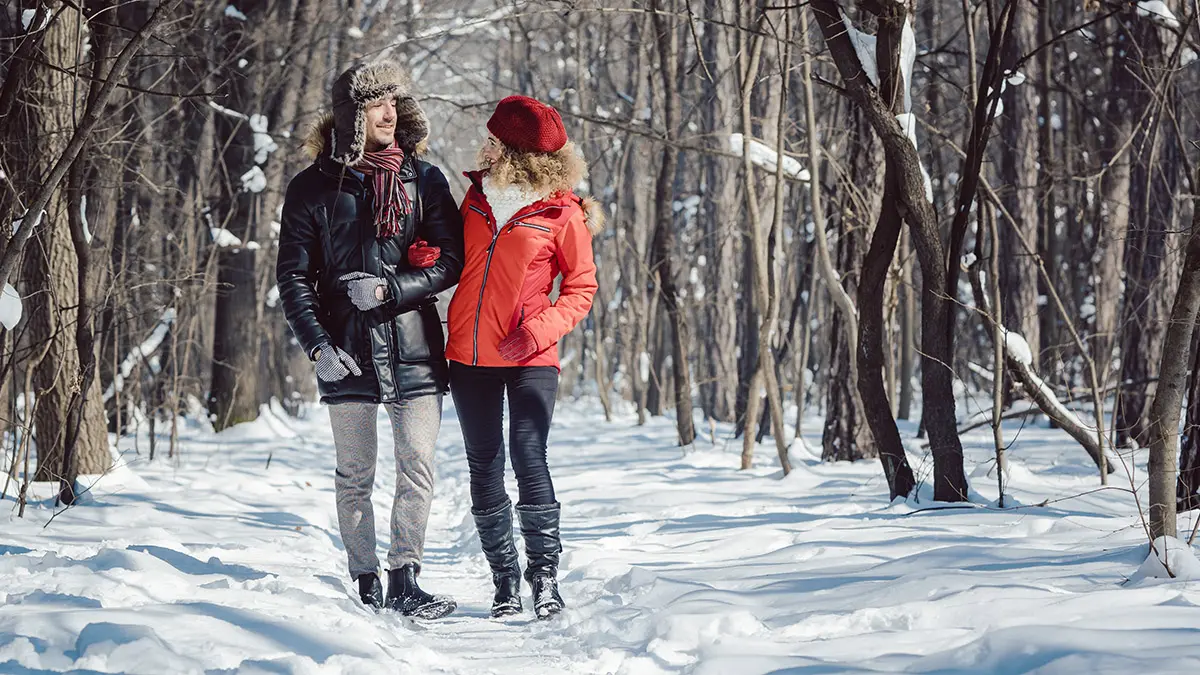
x: 370, y: 236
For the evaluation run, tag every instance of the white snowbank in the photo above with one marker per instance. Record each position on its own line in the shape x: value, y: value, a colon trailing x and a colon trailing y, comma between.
x: 766, y: 157
x: 1169, y: 558
x: 674, y: 562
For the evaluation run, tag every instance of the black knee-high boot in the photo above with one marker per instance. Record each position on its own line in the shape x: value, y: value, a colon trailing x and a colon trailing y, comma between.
x: 539, y: 527
x: 495, y: 529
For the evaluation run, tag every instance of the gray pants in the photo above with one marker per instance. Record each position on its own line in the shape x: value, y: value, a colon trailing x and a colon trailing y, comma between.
x: 415, y: 426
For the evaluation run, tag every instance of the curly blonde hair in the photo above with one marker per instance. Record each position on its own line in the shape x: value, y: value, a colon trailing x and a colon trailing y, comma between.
x: 545, y: 173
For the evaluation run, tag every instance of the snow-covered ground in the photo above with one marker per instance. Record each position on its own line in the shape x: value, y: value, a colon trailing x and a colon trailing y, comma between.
x: 674, y: 563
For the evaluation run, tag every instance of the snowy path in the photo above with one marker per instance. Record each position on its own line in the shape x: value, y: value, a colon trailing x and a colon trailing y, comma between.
x: 674, y: 564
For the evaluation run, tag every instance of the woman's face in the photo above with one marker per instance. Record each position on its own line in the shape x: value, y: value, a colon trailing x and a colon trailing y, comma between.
x: 491, y: 151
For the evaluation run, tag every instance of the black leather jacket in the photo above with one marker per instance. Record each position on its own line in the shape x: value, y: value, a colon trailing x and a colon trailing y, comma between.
x: 328, y: 230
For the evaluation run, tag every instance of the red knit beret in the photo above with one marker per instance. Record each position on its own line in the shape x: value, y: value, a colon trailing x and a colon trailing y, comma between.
x: 528, y: 125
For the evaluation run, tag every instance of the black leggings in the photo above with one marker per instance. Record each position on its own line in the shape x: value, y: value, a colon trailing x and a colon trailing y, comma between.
x: 479, y: 400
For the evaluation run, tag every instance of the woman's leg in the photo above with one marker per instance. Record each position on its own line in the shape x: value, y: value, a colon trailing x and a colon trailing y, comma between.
x: 531, y: 395
x: 479, y: 401
x: 355, y: 437
x: 415, y: 426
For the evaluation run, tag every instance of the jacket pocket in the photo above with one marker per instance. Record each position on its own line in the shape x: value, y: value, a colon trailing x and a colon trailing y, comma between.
x: 419, y: 335
x: 527, y: 308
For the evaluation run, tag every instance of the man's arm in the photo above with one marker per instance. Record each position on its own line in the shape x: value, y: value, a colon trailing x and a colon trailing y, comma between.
x: 297, y: 268
x: 440, y: 224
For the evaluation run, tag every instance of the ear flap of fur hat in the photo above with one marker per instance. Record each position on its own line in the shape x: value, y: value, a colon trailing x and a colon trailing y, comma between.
x: 412, y: 128
x: 360, y: 85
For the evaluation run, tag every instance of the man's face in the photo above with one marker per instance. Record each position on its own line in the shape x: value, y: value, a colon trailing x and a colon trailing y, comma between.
x: 381, y: 124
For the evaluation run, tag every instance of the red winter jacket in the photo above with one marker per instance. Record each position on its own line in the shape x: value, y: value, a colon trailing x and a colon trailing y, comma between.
x: 509, y: 272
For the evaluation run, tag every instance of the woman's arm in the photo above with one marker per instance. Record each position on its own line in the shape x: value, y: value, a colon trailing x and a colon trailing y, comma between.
x: 440, y: 225
x: 575, y: 291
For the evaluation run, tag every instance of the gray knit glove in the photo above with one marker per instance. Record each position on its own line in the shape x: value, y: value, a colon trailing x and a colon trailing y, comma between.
x: 361, y: 288
x: 333, y: 364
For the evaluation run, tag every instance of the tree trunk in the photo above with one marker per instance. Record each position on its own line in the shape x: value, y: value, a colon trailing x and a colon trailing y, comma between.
x: 719, y: 217
x: 1168, y: 397
x: 1152, y: 187
x: 1189, y: 455
x: 45, y: 113
x: 937, y: 378
x: 908, y: 330
x: 663, y: 248
x: 233, y: 394
x: 1019, y: 171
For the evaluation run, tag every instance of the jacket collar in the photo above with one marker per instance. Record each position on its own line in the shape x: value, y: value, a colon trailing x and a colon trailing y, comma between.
x: 556, y: 208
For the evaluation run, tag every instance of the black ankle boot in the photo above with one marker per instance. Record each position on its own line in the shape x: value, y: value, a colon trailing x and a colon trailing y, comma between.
x: 495, y: 529
x: 370, y: 590
x: 406, y: 597
x: 539, y: 527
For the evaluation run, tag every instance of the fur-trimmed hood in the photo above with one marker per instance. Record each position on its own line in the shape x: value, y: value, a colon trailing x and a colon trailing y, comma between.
x: 593, y: 214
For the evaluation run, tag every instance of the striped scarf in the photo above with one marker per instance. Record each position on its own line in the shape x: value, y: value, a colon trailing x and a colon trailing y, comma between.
x: 391, y: 199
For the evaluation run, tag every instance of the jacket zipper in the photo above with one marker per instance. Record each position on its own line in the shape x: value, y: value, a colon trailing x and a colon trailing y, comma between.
x: 535, y: 227
x: 487, y: 266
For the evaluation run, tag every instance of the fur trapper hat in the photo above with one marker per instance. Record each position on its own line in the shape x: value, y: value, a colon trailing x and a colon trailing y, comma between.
x: 359, y: 86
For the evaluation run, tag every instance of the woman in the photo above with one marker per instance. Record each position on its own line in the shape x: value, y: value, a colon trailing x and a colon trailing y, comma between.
x: 523, y: 227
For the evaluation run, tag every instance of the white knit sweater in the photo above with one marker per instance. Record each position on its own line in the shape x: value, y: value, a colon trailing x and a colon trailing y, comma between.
x: 508, y: 200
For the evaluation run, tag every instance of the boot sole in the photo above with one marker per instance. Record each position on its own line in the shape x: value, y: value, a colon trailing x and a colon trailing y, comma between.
x: 502, y: 611
x: 548, y: 611
x: 434, y: 610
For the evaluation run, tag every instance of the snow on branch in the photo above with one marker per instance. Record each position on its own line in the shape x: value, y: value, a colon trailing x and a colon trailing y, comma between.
x: 1018, y: 350
x: 223, y: 238
x: 766, y: 157
x: 142, y: 351
x: 226, y: 111
x: 1158, y: 12
x: 10, y: 307
x: 263, y: 143
x: 463, y: 26
x: 864, y: 46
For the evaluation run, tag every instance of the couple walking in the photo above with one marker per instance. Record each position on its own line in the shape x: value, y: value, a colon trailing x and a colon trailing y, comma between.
x: 371, y: 234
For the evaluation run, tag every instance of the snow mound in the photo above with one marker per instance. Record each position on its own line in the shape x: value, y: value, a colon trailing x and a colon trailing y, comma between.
x: 1169, y: 558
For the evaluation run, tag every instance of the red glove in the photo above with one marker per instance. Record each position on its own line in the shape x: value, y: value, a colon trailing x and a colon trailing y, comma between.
x: 422, y: 255
x: 518, y: 346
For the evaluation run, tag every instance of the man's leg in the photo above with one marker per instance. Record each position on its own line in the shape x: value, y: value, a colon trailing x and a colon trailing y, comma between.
x: 415, y: 426
x: 479, y: 400
x: 355, y: 437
